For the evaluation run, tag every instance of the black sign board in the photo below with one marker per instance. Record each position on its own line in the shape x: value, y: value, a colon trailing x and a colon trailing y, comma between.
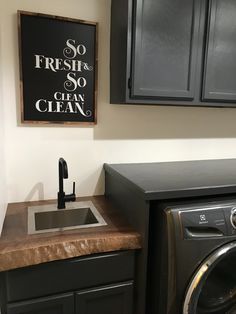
x: 58, y: 69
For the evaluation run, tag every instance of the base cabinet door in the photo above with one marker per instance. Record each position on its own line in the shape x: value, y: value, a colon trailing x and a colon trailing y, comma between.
x: 113, y: 299
x: 59, y: 304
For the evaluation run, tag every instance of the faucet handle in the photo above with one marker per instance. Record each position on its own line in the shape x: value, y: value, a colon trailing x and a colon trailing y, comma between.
x: 70, y: 197
x: 73, y: 188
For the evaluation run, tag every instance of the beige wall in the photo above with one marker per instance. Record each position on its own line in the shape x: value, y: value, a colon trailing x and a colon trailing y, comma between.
x: 3, y: 186
x: 123, y: 133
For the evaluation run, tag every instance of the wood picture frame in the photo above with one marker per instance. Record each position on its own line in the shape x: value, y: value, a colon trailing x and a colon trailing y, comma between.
x: 58, y: 69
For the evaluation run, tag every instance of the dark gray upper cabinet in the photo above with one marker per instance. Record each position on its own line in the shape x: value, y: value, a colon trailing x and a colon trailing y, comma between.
x: 165, y: 41
x: 173, y: 52
x: 219, y: 82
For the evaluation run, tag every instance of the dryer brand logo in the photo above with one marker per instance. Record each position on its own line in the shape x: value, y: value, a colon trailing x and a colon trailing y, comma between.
x: 202, y: 219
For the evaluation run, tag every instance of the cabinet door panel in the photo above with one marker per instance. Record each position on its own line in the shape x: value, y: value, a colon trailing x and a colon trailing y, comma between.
x: 69, y: 275
x: 166, y: 37
x: 113, y: 299
x: 60, y: 304
x: 219, y: 81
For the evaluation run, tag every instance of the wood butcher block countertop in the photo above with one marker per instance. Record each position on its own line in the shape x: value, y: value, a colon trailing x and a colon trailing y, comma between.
x: 18, y: 249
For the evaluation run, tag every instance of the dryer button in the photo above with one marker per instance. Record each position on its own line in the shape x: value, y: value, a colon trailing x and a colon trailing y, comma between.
x: 233, y: 217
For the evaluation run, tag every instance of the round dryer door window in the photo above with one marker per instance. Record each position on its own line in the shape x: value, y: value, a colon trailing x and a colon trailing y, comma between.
x: 213, y: 286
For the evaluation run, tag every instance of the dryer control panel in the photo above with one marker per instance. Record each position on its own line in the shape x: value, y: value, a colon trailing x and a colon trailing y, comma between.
x: 208, y: 221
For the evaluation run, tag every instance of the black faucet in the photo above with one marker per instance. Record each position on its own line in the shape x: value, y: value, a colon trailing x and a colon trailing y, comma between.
x: 62, y: 198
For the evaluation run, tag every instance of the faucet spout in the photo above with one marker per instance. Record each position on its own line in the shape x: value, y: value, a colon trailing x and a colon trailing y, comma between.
x: 62, y: 198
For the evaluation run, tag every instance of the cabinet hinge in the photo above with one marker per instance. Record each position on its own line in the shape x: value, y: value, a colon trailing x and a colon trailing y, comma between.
x: 129, y: 83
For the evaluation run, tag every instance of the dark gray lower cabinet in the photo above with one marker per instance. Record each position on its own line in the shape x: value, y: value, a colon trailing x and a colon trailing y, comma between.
x: 96, y: 284
x: 112, y: 299
x: 115, y: 299
x: 60, y: 304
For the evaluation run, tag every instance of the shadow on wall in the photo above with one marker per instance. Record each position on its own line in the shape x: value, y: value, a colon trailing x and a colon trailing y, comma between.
x: 159, y: 122
x: 94, y: 182
x: 37, y: 192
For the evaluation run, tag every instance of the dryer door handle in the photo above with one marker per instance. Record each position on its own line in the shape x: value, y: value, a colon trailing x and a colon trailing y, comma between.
x: 203, y: 232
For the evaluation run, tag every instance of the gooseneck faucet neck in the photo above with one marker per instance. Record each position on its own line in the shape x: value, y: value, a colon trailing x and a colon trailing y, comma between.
x: 63, y: 173
x: 61, y: 196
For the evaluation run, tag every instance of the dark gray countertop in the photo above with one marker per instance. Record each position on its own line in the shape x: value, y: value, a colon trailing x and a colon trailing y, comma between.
x: 178, y: 179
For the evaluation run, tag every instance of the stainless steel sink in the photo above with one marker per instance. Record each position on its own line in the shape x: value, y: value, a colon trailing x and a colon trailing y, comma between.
x: 47, y: 218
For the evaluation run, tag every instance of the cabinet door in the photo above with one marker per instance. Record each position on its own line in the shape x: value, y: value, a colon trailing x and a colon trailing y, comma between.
x: 113, y: 299
x: 219, y: 81
x: 165, y: 45
x: 60, y: 304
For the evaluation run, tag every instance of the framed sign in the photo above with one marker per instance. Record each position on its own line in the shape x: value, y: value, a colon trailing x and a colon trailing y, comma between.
x: 58, y: 69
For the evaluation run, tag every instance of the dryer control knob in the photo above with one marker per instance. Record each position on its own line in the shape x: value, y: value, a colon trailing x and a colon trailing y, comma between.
x: 233, y: 217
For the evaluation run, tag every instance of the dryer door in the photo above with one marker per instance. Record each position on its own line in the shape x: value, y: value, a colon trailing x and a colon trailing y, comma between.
x: 213, y: 286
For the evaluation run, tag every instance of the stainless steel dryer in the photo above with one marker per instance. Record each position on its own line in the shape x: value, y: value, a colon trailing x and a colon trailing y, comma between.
x: 193, y: 258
